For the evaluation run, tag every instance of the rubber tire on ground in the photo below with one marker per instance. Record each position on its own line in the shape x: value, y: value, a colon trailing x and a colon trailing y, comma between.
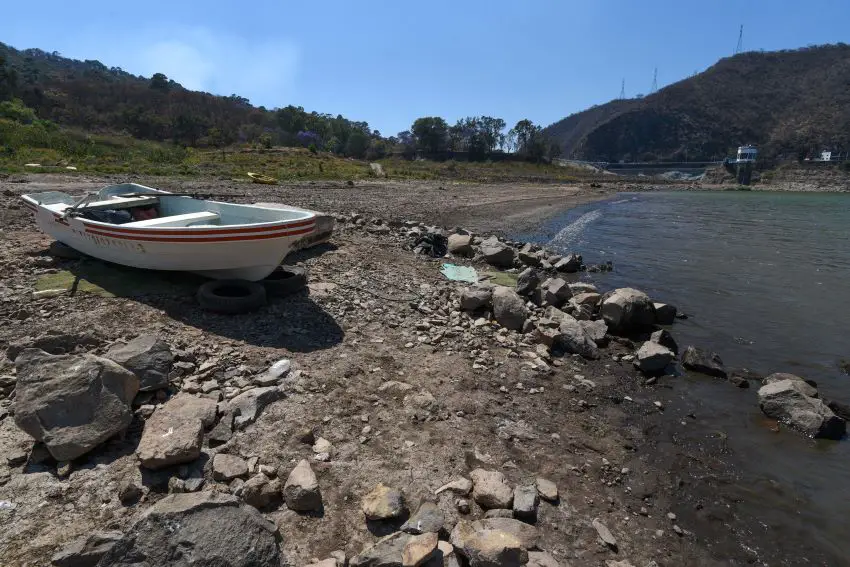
x: 231, y: 296
x: 285, y: 280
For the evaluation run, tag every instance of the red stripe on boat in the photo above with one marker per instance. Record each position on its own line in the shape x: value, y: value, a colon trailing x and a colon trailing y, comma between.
x: 200, y: 232
x: 152, y: 238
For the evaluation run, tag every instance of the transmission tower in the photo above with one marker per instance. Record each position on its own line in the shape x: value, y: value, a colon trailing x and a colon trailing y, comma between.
x: 654, y: 81
x: 623, y: 90
x: 740, y: 47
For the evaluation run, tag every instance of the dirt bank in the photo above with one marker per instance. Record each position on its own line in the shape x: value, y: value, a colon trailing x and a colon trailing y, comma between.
x: 409, y: 392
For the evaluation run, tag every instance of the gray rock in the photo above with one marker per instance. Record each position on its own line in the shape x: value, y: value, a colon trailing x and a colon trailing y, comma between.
x: 573, y: 339
x: 590, y: 299
x: 652, y: 358
x: 475, y: 298
x: 596, y: 331
x: 541, y: 559
x: 461, y: 245
x: 583, y: 287
x: 428, y: 518
x: 193, y: 407
x: 509, y: 309
x: 227, y: 467
x: 72, y: 403
x: 605, y: 534
x: 665, y: 314
x: 490, y: 489
x: 201, y: 528
x: 260, y: 492
x: 527, y: 281
x: 804, y: 387
x: 301, y: 491
x: 488, y: 548
x: 547, y: 489
x: 497, y: 253
x: 705, y: 363
x: 627, y: 309
x: 526, y: 501
x: 529, y: 257
x: 171, y: 437
x: 665, y: 339
x: 147, y: 357
x: 419, y: 549
x: 223, y: 430
x: 786, y: 401
x: 385, y: 553
x: 555, y: 292
x: 86, y: 551
x: 570, y: 264
x: 129, y: 493
x: 251, y: 404
x: 527, y: 534
x: 383, y: 503
x: 54, y: 343
x: 461, y: 486
x: 499, y: 513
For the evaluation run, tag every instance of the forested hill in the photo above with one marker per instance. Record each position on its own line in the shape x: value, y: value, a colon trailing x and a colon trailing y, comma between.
x: 91, y: 96
x: 787, y: 102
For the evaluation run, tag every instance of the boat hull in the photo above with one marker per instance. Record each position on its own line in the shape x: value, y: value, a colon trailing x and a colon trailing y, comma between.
x: 249, y: 253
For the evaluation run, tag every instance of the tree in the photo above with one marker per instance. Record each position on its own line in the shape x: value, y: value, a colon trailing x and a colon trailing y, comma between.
x: 357, y: 144
x: 529, y: 140
x: 406, y: 144
x: 432, y: 133
x: 492, y: 131
x: 159, y: 82
x: 8, y: 80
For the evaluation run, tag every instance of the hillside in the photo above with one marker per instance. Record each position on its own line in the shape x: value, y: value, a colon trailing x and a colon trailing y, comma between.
x: 787, y: 102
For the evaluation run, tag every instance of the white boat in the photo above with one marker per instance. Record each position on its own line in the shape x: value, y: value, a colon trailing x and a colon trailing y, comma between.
x: 178, y: 232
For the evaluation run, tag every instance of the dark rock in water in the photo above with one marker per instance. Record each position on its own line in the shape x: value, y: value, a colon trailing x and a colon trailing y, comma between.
x: 740, y: 381
x: 497, y: 254
x: 664, y: 338
x: 807, y: 387
x: 786, y: 401
x: 627, y: 309
x: 86, y: 551
x: 147, y: 357
x: 569, y: 264
x: 72, y: 403
x: 840, y: 409
x: 200, y: 528
x: 700, y: 361
x: 665, y: 314
x: 844, y: 366
x: 527, y: 281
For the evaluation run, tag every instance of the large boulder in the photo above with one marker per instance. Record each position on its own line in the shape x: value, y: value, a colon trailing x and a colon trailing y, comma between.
x: 383, y: 503
x: 475, y: 298
x: 173, y: 435
x: 573, y: 339
x: 86, y: 551
x: 72, y: 403
x: 786, y: 401
x: 461, y: 244
x: 509, y: 309
x: 147, y: 357
x: 528, y: 256
x: 487, y: 547
x: 597, y: 331
x: 665, y: 314
x: 555, y: 292
x: 497, y: 253
x: 194, y: 529
x: 652, y: 358
x: 703, y: 362
x: 806, y: 387
x: 427, y: 518
x: 665, y: 339
x: 194, y: 407
x: 386, y: 552
x: 627, y: 309
x: 527, y: 534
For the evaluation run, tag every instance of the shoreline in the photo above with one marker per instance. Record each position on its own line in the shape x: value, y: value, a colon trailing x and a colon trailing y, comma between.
x: 582, y: 436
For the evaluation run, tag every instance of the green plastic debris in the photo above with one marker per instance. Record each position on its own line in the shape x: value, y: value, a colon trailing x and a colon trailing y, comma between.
x: 460, y: 273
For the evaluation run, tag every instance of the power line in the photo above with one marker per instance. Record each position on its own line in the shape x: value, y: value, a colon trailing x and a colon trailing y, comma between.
x: 740, y: 47
x: 654, y: 81
x: 623, y: 90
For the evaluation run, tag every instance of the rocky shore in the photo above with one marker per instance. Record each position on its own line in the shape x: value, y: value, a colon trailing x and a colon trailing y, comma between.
x: 387, y: 416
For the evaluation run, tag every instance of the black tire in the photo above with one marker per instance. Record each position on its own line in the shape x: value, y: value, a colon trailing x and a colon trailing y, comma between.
x: 285, y: 280
x: 231, y: 296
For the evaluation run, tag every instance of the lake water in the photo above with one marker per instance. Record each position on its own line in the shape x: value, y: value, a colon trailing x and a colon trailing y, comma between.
x: 765, y: 280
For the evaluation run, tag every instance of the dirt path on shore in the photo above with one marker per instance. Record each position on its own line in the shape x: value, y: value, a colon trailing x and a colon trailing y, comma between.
x: 408, y: 390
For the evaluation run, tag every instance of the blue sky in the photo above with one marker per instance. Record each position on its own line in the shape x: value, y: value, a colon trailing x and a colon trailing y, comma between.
x: 391, y: 62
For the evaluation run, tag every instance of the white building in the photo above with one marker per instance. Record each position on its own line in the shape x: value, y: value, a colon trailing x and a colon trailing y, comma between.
x: 747, y: 154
